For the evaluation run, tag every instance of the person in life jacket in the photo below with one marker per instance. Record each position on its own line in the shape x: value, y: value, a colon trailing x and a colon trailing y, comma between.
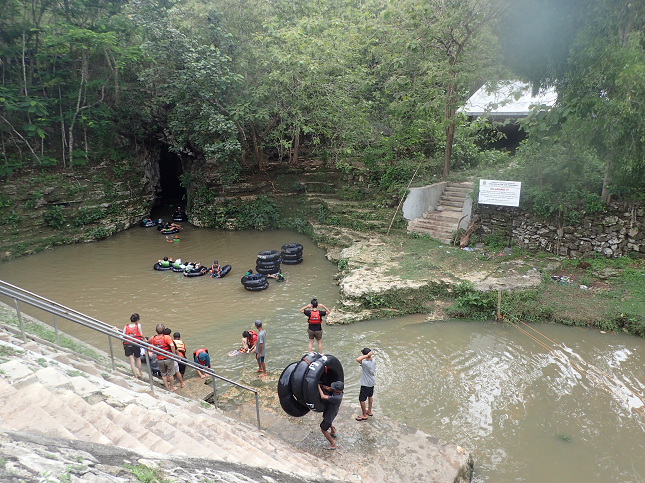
x: 249, y: 338
x: 314, y: 329
x: 178, y: 264
x: 216, y: 270
x: 181, y: 350
x: 133, y: 329
x: 277, y: 276
x: 200, y: 356
x: 166, y: 262
x: 166, y: 366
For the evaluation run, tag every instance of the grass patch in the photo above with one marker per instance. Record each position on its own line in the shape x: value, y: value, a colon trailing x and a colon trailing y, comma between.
x: 145, y: 474
x: 76, y: 373
x: 50, y: 336
x: 42, y: 362
x: 7, y: 351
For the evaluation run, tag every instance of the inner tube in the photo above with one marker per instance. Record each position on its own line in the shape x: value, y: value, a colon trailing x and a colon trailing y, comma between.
x: 265, y: 264
x: 298, y: 375
x: 148, y: 224
x: 269, y: 255
x: 180, y: 216
x: 224, y: 271
x: 157, y: 266
x: 292, y: 257
x: 292, y: 248
x: 287, y: 401
x: 181, y: 268
x: 251, y: 281
x: 196, y: 272
x: 257, y: 289
x: 267, y: 271
x: 292, y: 262
x: 169, y: 231
x: 325, y: 370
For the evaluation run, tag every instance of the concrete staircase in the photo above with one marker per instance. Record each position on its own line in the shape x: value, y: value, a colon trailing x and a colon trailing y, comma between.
x: 43, y: 391
x: 442, y: 221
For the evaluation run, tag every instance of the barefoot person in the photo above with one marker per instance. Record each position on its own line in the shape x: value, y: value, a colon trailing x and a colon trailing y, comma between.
x: 315, y: 323
x: 334, y: 398
x: 166, y: 366
x: 133, y: 329
x: 368, y: 366
x: 249, y: 339
x: 261, y: 348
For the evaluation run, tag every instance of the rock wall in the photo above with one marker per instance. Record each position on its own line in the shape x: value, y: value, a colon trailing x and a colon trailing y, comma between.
x: 618, y: 232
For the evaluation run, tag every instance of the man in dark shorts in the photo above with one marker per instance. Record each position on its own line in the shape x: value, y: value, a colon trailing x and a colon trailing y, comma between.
x: 368, y: 368
x: 315, y: 323
x: 133, y: 329
x: 331, y: 411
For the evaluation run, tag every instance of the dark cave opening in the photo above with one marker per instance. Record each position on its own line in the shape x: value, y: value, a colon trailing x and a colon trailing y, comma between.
x: 170, y: 170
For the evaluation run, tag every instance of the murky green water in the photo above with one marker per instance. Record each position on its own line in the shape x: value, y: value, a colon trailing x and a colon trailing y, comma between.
x: 525, y: 413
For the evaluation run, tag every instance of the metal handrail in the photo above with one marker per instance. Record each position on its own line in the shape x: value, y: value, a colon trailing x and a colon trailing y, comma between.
x: 20, y: 295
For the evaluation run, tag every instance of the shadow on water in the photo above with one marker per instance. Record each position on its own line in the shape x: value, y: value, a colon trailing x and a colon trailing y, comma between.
x: 525, y: 413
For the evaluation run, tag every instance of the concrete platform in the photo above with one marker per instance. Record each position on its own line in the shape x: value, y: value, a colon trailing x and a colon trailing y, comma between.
x: 379, y: 450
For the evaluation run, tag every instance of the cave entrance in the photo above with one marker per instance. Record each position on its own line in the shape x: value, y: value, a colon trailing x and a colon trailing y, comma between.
x: 170, y: 169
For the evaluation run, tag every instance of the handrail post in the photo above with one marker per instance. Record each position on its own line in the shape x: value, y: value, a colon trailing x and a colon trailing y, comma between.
x: 214, y: 392
x: 111, y: 352
x: 152, y: 385
x: 22, y: 328
x: 257, y: 409
x: 56, y: 329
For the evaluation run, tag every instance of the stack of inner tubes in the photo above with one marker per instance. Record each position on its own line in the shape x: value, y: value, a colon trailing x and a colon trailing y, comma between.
x: 291, y: 254
x: 255, y: 282
x: 268, y: 262
x: 298, y: 383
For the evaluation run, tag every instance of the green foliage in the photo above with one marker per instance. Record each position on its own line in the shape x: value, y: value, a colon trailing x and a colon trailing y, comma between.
x: 33, y: 199
x: 54, y: 216
x: 342, y: 264
x: 259, y: 214
x: 145, y: 474
x: 88, y: 216
x: 12, y: 218
x: 99, y: 232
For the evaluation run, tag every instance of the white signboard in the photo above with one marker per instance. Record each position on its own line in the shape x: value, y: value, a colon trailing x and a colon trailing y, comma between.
x: 502, y: 193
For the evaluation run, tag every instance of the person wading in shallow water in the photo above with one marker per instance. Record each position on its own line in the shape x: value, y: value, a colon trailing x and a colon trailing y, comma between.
x: 315, y: 323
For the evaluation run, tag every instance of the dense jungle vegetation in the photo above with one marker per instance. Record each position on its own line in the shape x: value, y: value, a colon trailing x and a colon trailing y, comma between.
x: 244, y: 83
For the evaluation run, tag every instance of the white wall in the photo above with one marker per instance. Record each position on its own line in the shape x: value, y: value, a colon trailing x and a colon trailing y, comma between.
x: 422, y: 199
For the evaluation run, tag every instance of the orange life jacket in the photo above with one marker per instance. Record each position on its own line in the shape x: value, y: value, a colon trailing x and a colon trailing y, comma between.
x: 314, y: 318
x: 196, y: 355
x: 253, y: 336
x: 132, y: 332
x: 161, y: 341
x: 181, y: 347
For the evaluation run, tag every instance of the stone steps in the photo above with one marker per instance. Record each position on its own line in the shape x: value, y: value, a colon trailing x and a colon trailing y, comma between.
x: 443, y: 220
x: 41, y: 393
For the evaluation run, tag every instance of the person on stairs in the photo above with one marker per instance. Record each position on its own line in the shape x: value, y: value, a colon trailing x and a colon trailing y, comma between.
x: 166, y: 366
x: 133, y: 329
x: 178, y: 374
x: 201, y: 357
x: 181, y: 350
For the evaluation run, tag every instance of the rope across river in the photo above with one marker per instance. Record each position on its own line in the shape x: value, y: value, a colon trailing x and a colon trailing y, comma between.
x: 578, y: 366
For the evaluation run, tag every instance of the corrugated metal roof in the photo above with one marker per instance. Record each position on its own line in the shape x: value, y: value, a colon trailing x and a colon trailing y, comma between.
x: 506, y: 100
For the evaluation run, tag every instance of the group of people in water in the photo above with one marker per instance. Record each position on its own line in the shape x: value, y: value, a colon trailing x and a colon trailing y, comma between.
x: 215, y: 269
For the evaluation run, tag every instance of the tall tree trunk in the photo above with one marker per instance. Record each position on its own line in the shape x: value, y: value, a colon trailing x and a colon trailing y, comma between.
x: 84, y: 73
x: 62, y: 128
x: 606, y: 195
x: 258, y: 153
x: 296, y: 146
x: 449, y: 116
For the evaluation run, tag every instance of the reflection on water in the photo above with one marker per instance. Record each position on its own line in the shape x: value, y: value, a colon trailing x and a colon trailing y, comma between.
x: 527, y: 414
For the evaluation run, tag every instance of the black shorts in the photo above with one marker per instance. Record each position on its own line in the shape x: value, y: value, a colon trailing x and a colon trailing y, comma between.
x: 325, y: 425
x: 182, y: 368
x: 366, y: 391
x: 131, y: 350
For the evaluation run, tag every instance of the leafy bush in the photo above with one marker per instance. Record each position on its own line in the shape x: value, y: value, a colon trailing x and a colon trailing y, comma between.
x: 87, y: 216
x: 12, y: 218
x: 54, y: 217
x: 99, y: 232
x: 259, y: 214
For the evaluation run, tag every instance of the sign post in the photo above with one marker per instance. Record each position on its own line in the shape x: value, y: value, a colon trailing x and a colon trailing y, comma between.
x: 501, y: 193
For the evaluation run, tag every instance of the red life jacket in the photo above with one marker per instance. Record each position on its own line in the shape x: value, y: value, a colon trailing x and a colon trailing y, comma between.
x: 161, y: 341
x: 132, y: 332
x: 253, y: 336
x: 196, y: 355
x: 314, y: 318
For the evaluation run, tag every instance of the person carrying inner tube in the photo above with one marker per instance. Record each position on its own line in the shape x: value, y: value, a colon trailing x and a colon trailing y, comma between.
x: 334, y: 396
x: 315, y: 323
x: 200, y: 356
x: 216, y: 270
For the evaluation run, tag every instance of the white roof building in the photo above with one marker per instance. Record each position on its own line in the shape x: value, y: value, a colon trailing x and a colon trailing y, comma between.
x: 506, y: 100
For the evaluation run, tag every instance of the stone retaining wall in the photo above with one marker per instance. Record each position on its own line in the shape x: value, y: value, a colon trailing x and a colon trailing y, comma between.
x: 617, y: 232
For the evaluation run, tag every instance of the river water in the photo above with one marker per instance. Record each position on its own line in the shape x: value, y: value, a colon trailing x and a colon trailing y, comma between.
x: 525, y: 413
